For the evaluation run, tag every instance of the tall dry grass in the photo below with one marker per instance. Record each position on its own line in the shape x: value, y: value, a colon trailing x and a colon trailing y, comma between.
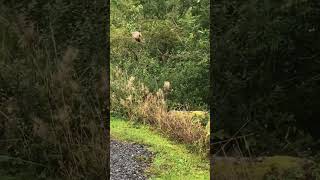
x: 46, y: 108
x: 131, y: 98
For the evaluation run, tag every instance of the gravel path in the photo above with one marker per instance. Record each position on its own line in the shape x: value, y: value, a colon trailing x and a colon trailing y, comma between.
x: 128, y: 161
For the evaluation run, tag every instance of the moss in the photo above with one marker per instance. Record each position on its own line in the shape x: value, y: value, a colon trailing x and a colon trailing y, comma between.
x: 274, y: 166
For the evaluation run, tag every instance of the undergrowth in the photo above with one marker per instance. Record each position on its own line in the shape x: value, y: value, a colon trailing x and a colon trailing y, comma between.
x: 132, y: 99
x: 50, y: 112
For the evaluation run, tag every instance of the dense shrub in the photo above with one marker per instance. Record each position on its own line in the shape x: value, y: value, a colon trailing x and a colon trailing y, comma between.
x: 132, y: 99
x: 175, y: 47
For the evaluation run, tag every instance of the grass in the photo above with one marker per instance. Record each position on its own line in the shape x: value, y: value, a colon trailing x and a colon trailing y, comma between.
x: 132, y: 98
x: 171, y: 161
x: 57, y: 129
x: 23, y: 174
x: 278, y: 167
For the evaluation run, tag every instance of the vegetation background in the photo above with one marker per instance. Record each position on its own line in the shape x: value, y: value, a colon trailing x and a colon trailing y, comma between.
x: 265, y: 70
x: 168, y: 71
x: 163, y: 81
x: 53, y: 89
x: 175, y: 47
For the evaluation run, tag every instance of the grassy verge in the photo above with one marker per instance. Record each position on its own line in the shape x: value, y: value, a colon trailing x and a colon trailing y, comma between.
x: 172, y: 160
x: 269, y: 168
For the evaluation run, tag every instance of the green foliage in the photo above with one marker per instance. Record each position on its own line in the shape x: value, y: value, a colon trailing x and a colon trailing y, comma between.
x: 131, y: 99
x: 175, y: 46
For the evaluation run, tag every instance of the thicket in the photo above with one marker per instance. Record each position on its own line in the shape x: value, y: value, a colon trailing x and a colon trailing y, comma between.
x: 53, y: 89
x: 133, y: 99
x: 168, y: 71
x: 175, y: 47
x: 265, y: 70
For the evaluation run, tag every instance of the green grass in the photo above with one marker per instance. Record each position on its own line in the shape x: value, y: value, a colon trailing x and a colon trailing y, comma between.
x: 171, y: 161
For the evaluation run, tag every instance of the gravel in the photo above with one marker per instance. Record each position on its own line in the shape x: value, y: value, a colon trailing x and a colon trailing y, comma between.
x: 128, y: 161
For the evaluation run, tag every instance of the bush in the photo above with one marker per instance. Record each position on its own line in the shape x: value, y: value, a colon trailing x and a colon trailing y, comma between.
x: 175, y: 48
x: 132, y: 99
